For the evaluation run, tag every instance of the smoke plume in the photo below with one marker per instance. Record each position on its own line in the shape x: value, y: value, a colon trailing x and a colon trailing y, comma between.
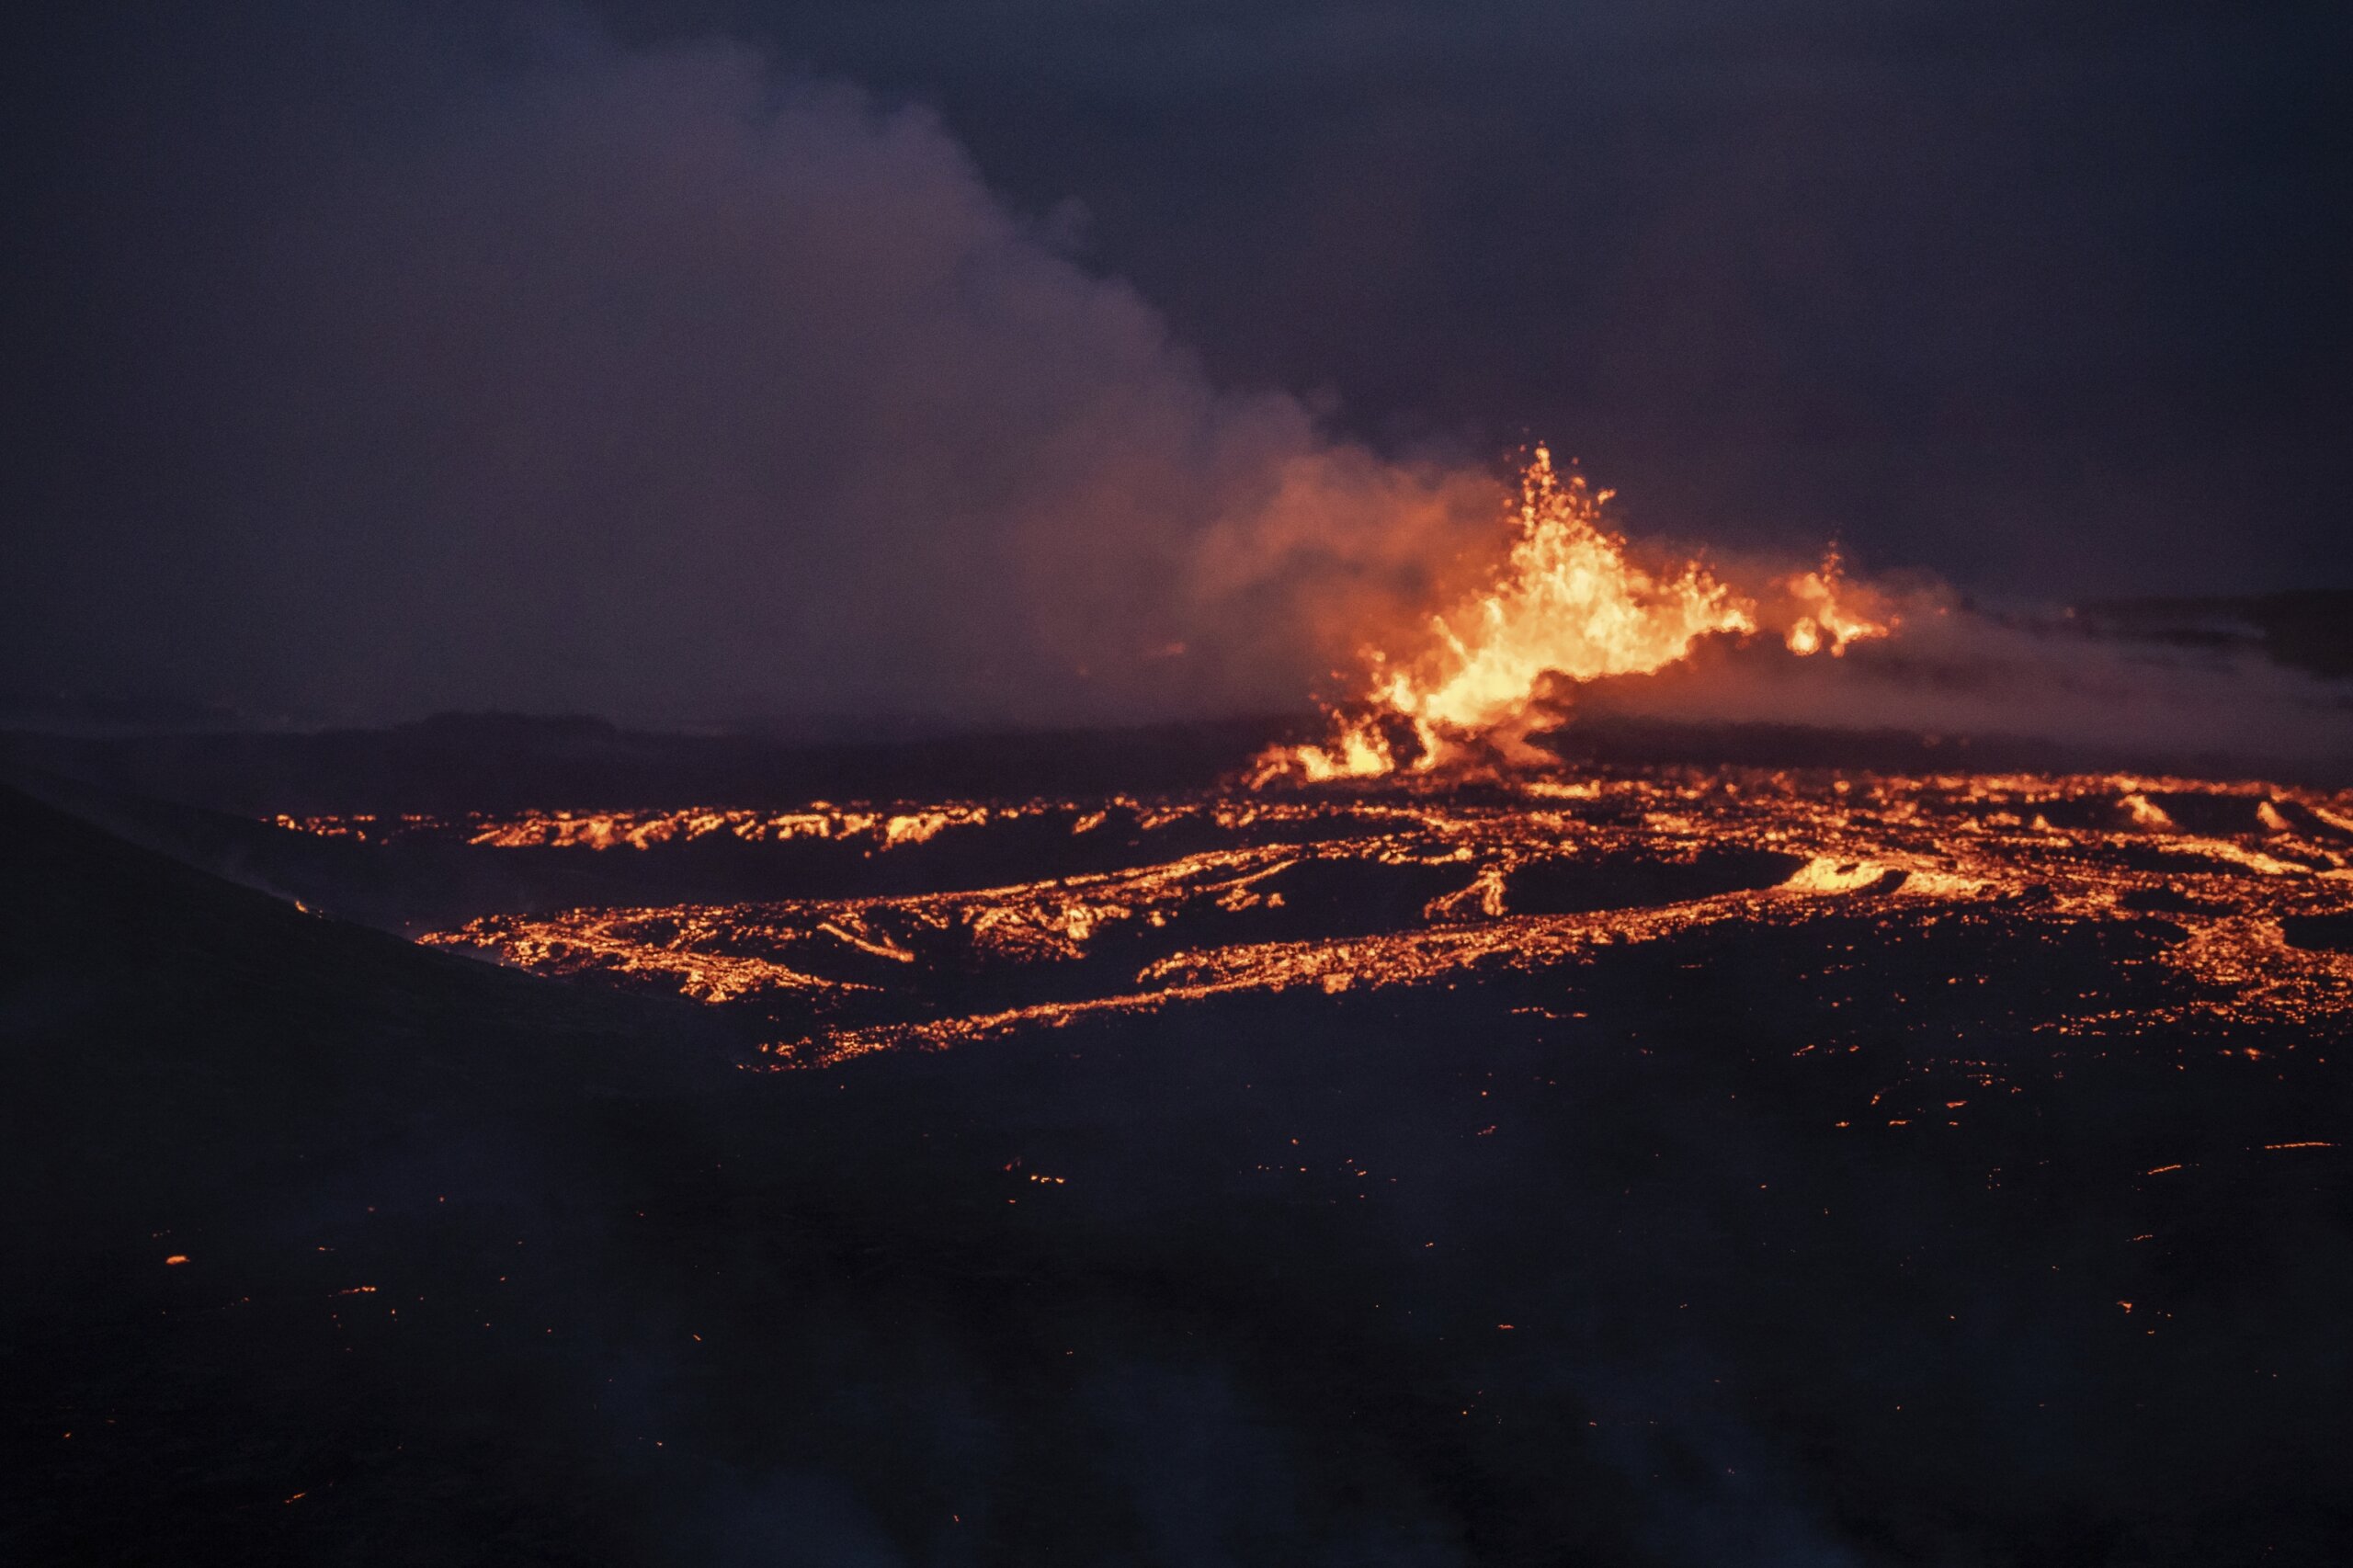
x: 1950, y: 670
x: 665, y: 384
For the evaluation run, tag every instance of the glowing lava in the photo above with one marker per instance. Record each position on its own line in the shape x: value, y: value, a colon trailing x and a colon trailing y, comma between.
x: 2208, y: 909
x: 1828, y: 617
x: 1570, y: 606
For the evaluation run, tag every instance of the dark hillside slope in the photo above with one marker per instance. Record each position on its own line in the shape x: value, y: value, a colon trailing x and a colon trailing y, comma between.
x: 325, y: 1124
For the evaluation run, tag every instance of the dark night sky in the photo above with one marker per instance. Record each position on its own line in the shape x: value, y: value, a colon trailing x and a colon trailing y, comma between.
x: 406, y: 359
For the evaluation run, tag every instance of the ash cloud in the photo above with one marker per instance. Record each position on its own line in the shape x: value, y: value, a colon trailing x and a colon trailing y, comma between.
x: 666, y: 384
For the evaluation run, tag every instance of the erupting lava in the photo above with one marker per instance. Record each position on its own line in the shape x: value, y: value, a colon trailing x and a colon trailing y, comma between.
x: 1825, y: 621
x: 1570, y: 606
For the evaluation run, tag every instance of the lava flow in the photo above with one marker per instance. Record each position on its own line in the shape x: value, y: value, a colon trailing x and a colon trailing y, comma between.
x: 1570, y: 606
x: 2195, y: 906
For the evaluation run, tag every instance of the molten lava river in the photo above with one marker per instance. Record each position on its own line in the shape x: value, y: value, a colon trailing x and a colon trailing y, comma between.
x: 2131, y: 903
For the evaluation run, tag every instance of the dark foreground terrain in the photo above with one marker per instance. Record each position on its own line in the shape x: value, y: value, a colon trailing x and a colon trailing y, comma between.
x: 1672, y: 1169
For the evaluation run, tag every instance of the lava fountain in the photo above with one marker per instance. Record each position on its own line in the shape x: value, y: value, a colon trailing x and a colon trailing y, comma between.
x: 1569, y: 605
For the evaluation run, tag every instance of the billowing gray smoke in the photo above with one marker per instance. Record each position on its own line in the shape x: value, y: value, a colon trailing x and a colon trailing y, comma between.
x: 664, y: 385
